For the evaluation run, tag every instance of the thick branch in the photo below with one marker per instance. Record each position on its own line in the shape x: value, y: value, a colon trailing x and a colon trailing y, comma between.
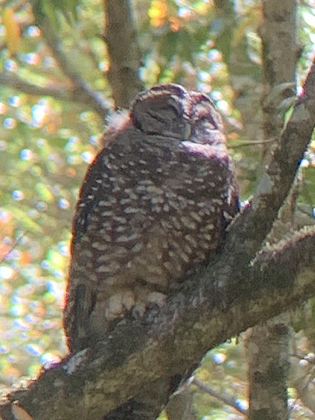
x: 276, y: 182
x: 199, y: 317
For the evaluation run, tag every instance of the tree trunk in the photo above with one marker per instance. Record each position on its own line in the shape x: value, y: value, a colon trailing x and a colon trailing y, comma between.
x: 268, y: 345
x: 267, y: 353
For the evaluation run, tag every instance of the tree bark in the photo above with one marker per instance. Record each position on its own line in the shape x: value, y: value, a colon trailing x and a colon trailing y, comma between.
x: 123, y: 52
x: 268, y: 345
x: 279, y: 54
x: 203, y: 314
x: 267, y: 350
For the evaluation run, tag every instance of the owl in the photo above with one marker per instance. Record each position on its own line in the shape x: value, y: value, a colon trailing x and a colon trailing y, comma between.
x: 153, y: 208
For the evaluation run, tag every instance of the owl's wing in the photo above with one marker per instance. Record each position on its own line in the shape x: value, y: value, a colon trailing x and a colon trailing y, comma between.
x: 88, y: 199
x: 80, y: 298
x: 112, y: 218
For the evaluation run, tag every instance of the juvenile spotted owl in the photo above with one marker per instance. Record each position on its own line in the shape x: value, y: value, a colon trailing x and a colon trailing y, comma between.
x: 153, y: 208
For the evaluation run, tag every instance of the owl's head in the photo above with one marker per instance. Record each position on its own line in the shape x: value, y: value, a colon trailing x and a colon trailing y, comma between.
x: 205, y: 121
x: 172, y: 111
x: 161, y: 111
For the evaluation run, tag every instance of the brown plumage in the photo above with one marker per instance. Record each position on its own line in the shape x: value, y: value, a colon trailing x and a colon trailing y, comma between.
x: 153, y: 207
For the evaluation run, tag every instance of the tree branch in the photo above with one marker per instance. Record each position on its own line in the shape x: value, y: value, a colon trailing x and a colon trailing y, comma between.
x: 170, y: 341
x: 123, y: 51
x: 226, y: 400
x: 276, y: 182
x: 124, y: 56
x: 62, y: 93
x: 81, y: 91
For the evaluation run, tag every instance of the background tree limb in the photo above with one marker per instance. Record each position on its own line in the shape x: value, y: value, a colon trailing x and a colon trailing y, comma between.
x: 124, y: 58
x: 59, y: 92
x: 82, y: 91
x: 267, y: 390
x: 124, y: 54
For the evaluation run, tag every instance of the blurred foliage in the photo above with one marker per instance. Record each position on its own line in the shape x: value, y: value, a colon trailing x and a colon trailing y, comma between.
x: 53, y: 9
x: 46, y: 144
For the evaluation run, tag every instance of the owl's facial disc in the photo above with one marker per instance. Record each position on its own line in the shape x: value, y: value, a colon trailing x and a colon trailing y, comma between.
x: 161, y: 114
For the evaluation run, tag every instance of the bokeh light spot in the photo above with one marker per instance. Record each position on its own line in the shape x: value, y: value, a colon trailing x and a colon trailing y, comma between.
x: 34, y: 349
x: 9, y: 123
x: 63, y: 248
x: 21, y: 324
x: 26, y: 154
x: 32, y: 58
x: 87, y: 157
x: 10, y: 65
x: 3, y: 108
x: 4, y: 349
x: 39, y: 113
x: 63, y: 203
x: 5, y: 216
x: 33, y: 31
x: 93, y: 140
x: 18, y: 310
x: 6, y: 273
x: 17, y: 195
x: 219, y: 357
x: 41, y: 206
x: 45, y: 264
x: 15, y: 101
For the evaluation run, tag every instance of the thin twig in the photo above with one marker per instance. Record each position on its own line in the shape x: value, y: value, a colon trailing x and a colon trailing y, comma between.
x: 252, y: 143
x: 16, y: 243
x: 226, y: 400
